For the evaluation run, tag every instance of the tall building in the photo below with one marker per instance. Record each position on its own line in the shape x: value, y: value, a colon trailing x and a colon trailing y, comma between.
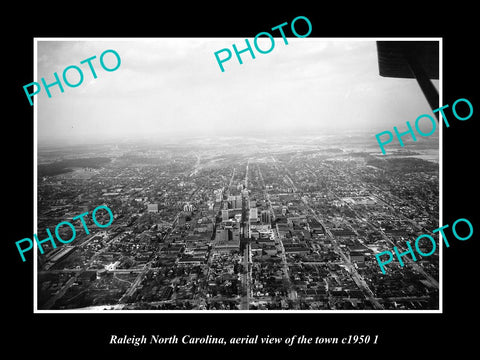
x: 218, y: 195
x: 223, y: 235
x: 210, y: 205
x: 253, y: 214
x: 238, y: 202
x: 227, y: 239
x: 225, y: 215
x: 235, y: 201
x: 265, y: 216
x: 153, y: 208
x: 188, y: 207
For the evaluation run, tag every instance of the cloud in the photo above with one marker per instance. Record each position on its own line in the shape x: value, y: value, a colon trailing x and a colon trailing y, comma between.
x: 175, y: 84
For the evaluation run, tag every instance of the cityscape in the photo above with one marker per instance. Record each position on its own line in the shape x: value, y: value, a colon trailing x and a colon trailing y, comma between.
x: 239, y: 223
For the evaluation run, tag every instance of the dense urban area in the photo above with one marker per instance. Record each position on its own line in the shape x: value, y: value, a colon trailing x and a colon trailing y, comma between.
x: 238, y: 224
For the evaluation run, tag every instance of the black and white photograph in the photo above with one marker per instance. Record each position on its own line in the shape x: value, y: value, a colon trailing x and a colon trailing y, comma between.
x: 248, y: 189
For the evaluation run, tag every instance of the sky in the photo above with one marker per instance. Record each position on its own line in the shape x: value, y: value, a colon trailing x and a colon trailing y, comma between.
x: 168, y: 87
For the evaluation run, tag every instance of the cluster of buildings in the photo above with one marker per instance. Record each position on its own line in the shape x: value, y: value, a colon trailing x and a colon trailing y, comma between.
x: 252, y: 232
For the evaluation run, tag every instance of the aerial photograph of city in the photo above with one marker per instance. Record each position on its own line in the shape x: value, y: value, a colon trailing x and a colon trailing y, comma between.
x: 260, y: 188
